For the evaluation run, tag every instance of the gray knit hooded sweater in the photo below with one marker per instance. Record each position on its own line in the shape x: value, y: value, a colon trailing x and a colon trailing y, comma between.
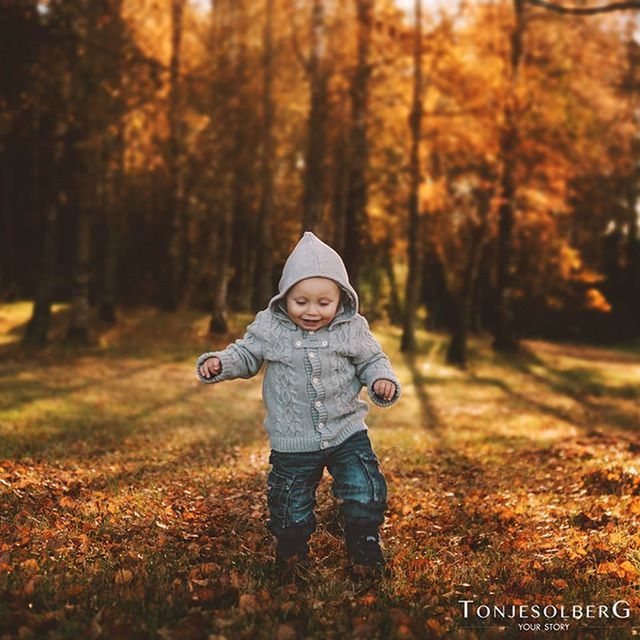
x: 313, y: 378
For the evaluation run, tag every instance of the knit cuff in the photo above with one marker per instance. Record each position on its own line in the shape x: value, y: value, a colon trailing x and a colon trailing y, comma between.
x: 225, y: 361
x: 381, y: 402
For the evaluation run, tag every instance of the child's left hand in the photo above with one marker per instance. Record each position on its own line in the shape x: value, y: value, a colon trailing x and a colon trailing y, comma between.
x: 384, y: 388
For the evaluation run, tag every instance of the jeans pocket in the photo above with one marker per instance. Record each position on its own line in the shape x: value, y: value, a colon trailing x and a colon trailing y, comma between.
x: 279, y: 496
x: 376, y: 480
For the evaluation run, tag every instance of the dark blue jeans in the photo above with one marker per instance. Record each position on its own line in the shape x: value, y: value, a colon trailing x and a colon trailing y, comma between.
x: 358, y: 484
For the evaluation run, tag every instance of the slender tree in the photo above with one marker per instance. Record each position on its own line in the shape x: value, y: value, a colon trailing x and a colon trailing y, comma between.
x: 171, y: 289
x: 114, y: 172
x: 85, y: 152
x: 223, y: 24
x: 414, y: 227
x: 356, y: 228
x: 461, y: 301
x: 38, y: 326
x: 317, y: 72
x: 504, y: 338
x: 264, y: 262
x: 242, y: 122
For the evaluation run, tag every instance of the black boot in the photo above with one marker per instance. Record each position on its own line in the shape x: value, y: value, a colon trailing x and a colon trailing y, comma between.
x: 363, y: 550
x: 291, y: 544
x: 292, y: 558
x: 285, y: 553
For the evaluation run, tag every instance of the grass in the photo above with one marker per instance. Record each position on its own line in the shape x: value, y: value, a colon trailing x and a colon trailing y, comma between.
x: 132, y: 498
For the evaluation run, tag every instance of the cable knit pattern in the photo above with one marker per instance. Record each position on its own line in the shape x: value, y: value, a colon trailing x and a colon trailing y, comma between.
x: 312, y: 379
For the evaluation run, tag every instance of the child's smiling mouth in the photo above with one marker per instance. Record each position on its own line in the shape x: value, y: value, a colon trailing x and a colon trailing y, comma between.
x: 312, y: 322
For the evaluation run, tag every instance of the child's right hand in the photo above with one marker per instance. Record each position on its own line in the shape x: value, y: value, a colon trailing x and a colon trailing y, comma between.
x: 210, y: 367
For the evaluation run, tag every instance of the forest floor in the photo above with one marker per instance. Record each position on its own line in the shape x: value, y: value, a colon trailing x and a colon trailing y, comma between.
x: 133, y: 497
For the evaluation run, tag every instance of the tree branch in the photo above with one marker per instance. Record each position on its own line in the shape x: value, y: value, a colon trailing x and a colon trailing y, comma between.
x: 586, y: 11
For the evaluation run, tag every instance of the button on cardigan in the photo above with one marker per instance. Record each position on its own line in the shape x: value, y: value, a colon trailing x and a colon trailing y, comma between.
x: 313, y: 378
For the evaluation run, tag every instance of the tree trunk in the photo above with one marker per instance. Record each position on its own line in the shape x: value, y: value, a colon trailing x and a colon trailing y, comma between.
x: 221, y: 249
x: 78, y: 328
x: 264, y: 259
x: 356, y: 228
x: 481, y: 308
x: 8, y: 286
x: 339, y: 194
x: 632, y: 264
x: 394, y: 310
x: 313, y: 201
x: 633, y: 246
x: 51, y: 148
x: 414, y: 227
x: 84, y: 163
x: 38, y: 326
x: 243, y: 236
x: 113, y: 217
x: 461, y: 304
x: 504, y: 335
x: 242, y: 158
x: 224, y: 25
x: 434, y: 292
x: 174, y: 264
x: 115, y: 182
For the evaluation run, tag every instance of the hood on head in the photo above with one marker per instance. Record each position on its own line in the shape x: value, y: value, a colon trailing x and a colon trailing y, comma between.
x: 313, y: 258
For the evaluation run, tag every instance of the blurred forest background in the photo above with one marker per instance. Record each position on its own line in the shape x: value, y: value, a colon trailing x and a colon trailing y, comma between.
x: 477, y: 167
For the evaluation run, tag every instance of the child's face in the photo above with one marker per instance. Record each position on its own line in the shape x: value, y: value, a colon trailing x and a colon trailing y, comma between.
x: 312, y: 303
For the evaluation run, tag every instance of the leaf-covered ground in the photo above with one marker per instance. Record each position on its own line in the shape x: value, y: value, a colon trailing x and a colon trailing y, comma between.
x: 133, y: 505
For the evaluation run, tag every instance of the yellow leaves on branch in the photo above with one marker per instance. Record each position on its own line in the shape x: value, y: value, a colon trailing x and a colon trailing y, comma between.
x: 594, y: 299
x: 433, y: 195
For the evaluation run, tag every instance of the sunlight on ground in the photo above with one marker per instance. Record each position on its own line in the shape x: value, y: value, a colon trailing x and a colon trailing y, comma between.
x: 517, y: 478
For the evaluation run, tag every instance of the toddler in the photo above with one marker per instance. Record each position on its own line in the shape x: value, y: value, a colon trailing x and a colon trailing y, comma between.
x: 319, y: 354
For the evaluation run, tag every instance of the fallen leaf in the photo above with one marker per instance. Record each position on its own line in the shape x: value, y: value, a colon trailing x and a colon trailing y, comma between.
x: 123, y: 576
x: 286, y: 632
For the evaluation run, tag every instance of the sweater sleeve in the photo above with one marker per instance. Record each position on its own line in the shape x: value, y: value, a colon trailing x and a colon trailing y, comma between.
x: 373, y: 364
x: 243, y: 358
